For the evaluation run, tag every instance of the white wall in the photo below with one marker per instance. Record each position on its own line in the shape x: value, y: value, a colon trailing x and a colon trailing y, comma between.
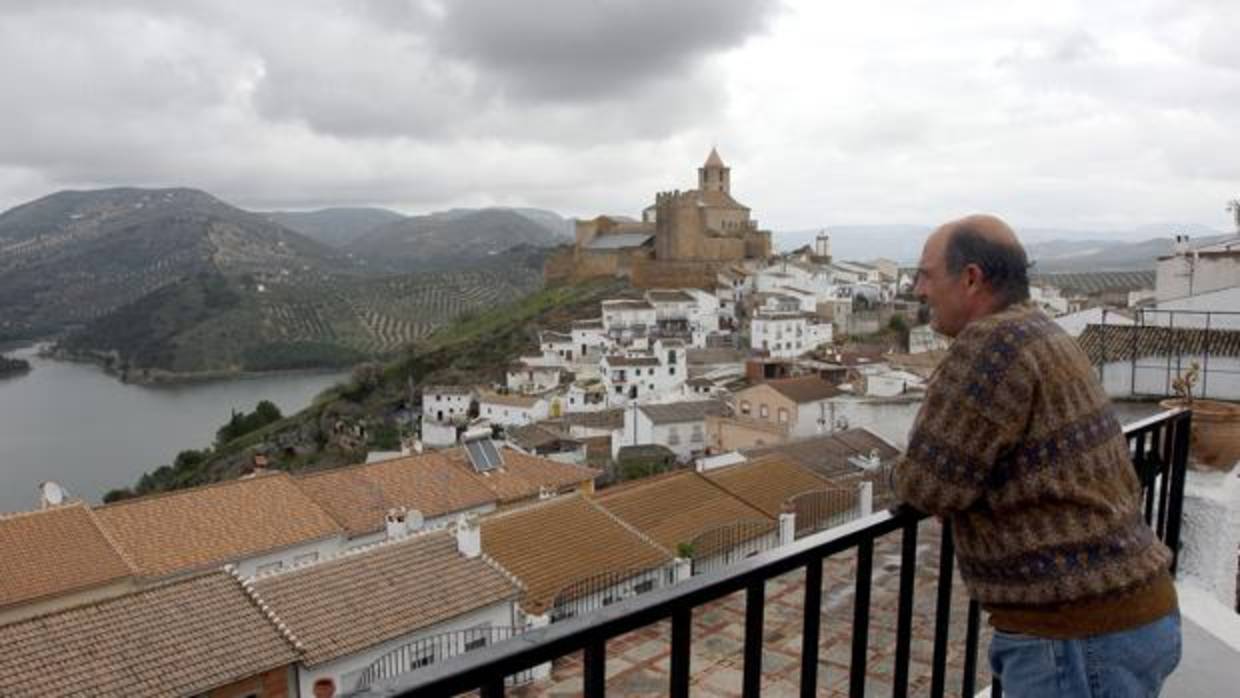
x: 510, y: 415
x: 685, y: 447
x: 436, y: 435
x: 345, y: 671
x: 312, y: 551
x: 1182, y: 276
x: 1222, y: 300
x: 443, y: 407
x: 1219, y: 379
x: 890, y: 418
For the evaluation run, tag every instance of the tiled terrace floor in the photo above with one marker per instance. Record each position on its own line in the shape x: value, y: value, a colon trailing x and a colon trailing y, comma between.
x: 638, y: 664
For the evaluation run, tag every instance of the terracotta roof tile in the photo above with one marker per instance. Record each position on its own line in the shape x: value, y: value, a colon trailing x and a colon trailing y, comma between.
x: 55, y: 551
x: 675, y: 508
x: 551, y: 545
x: 359, y: 496
x: 767, y: 483
x: 510, y: 400
x: 181, y: 638
x: 682, y: 412
x: 1104, y: 343
x: 359, y: 600
x: 191, y: 529
x: 828, y: 456
x: 803, y: 389
x: 523, y: 476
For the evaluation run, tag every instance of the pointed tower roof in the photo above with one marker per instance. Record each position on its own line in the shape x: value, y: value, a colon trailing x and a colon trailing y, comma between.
x: 713, y: 160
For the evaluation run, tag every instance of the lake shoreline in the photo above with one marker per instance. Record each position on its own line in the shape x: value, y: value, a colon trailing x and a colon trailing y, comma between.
x: 155, y: 377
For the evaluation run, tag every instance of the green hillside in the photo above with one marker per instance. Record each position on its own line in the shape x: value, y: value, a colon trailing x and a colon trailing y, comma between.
x: 345, y: 421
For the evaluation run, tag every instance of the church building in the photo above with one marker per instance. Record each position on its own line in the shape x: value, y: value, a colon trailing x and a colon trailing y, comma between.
x: 682, y: 239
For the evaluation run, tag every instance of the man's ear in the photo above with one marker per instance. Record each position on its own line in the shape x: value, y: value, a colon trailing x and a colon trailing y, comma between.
x: 973, y: 276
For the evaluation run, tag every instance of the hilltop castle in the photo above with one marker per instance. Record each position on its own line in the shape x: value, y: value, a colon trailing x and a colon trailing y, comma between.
x: 682, y: 239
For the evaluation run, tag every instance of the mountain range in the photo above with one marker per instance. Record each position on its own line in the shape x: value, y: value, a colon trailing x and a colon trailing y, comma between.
x: 174, y: 282
x: 1052, y: 249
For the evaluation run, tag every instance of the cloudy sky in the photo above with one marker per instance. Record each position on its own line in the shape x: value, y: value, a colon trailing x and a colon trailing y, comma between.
x: 1057, y: 113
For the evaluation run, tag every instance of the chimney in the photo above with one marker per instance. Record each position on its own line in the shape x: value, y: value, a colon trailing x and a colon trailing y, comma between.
x: 397, y: 526
x: 1181, y: 245
x: 468, y: 535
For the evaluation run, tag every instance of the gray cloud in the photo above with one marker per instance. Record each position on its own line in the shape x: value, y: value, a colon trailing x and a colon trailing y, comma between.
x: 1093, y: 113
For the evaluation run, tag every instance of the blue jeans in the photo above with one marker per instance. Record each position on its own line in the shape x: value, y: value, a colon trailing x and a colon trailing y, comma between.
x: 1130, y: 663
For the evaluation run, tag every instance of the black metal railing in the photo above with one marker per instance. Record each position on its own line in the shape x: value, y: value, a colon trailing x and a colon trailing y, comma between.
x: 1160, y: 454
x: 426, y: 651
x: 607, y: 588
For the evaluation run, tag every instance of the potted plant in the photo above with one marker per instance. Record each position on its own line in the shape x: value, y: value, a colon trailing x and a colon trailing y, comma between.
x: 1215, y: 439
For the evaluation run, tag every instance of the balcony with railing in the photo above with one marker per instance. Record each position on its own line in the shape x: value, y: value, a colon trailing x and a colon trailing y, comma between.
x: 870, y: 607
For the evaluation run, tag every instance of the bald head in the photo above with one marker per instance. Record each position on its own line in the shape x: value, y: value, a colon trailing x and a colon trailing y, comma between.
x: 986, y: 241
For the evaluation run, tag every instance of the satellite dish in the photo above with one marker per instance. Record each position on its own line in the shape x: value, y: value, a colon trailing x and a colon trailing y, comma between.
x: 51, y: 494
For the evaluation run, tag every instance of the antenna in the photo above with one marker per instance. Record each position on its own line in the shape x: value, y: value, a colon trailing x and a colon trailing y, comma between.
x: 50, y: 494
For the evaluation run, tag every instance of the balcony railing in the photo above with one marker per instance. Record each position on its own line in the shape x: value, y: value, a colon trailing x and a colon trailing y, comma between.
x: 1159, y: 446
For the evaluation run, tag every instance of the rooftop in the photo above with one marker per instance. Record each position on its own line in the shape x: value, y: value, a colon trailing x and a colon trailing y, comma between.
x: 56, y: 551
x: 803, y: 389
x: 1103, y: 343
x: 181, y: 638
x: 191, y: 529
x: 665, y: 296
x: 632, y: 361
x: 677, y: 507
x: 551, y: 545
x: 508, y: 399
x: 680, y: 412
x: 359, y: 496
x: 359, y: 600
x: 524, y: 476
x: 626, y: 304
x: 617, y: 241
x: 767, y: 482
x: 829, y: 455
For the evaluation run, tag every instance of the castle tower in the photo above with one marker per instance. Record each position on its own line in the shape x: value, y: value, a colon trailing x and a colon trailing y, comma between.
x: 822, y: 246
x: 714, y: 175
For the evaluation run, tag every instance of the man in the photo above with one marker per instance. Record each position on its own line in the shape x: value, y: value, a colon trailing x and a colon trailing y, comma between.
x: 1016, y: 447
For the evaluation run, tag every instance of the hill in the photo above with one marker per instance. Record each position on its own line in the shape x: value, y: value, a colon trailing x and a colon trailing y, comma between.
x: 335, y: 227
x: 212, y: 325
x: 456, y: 239
x: 73, y: 257
x: 1055, y: 249
x: 474, y: 349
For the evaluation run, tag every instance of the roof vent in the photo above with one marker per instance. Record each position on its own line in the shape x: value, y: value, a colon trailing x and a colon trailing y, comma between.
x: 51, y: 494
x: 483, y: 455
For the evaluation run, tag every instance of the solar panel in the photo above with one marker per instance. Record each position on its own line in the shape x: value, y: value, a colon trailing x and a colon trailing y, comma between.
x: 483, y: 455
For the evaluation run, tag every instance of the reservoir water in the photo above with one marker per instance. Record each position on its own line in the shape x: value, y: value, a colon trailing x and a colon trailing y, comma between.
x: 76, y: 425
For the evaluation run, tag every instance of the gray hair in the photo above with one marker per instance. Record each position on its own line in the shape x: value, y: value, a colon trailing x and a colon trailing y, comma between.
x: 1004, y: 267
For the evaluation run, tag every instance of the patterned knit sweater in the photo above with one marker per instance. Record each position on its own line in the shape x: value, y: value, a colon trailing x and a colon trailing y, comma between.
x: 1017, y: 446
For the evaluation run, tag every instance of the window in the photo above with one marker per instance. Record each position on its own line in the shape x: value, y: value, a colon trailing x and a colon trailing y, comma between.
x: 619, y: 389
x: 671, y: 370
x: 696, y: 436
x: 763, y: 412
x: 673, y: 436
x: 783, y: 415
x: 744, y: 407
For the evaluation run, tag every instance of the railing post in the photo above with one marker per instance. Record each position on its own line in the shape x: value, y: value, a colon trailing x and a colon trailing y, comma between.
x: 787, y: 527
x: 755, y: 603
x: 811, y: 628
x: 942, y: 614
x: 542, y: 671
x: 865, y: 497
x: 1179, y: 468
